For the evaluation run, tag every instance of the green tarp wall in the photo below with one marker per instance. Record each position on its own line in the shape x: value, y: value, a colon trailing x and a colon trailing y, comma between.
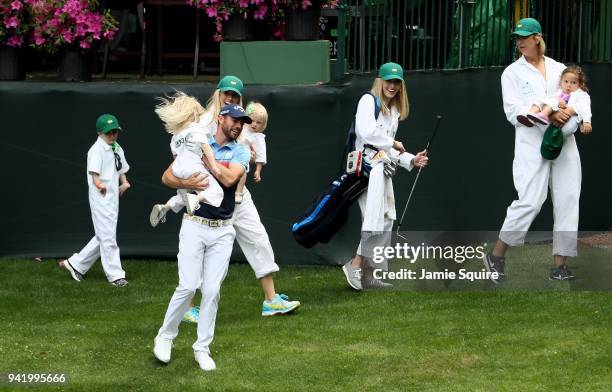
x: 47, y: 128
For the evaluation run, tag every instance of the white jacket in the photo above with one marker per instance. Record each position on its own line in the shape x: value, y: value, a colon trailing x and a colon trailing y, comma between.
x: 379, y: 133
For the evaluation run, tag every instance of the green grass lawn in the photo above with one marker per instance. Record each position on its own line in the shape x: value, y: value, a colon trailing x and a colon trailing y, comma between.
x: 339, y: 340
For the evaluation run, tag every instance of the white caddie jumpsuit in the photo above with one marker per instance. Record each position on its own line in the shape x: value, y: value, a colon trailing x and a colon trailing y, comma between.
x: 104, y: 212
x: 523, y: 86
x: 377, y: 203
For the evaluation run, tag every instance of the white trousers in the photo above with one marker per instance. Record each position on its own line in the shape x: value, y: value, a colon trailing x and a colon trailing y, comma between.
x: 253, y: 238
x: 104, y: 214
x: 203, y: 260
x: 369, y: 239
x: 533, y: 175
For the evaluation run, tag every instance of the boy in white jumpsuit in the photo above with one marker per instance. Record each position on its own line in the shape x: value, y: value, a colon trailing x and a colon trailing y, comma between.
x: 205, y: 243
x: 106, y: 168
x: 523, y: 85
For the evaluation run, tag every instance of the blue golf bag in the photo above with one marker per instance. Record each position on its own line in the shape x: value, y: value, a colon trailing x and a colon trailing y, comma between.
x: 329, y: 212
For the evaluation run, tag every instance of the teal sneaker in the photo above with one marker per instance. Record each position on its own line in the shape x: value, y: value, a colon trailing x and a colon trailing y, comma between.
x: 192, y: 315
x: 280, y: 304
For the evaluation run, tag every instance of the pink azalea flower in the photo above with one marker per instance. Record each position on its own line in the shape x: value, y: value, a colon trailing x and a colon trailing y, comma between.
x: 67, y: 36
x: 211, y: 12
x: 16, y: 6
x: 15, y: 41
x: 243, y: 3
x: 262, y: 9
x: 13, y: 21
x: 84, y: 45
x: 306, y: 4
x: 39, y: 41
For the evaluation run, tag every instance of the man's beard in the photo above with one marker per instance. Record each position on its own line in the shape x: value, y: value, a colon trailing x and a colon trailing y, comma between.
x: 227, y: 130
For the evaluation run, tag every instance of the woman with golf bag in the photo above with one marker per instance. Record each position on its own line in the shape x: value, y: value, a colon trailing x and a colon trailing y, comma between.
x: 375, y: 137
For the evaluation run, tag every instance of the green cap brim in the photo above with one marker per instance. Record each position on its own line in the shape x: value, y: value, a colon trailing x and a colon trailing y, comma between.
x: 223, y: 89
x: 522, y: 33
x: 390, y: 77
x: 109, y: 128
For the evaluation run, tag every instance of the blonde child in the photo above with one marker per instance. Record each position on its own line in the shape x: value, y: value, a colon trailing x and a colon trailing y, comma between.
x: 253, y: 137
x: 572, y: 95
x: 180, y: 115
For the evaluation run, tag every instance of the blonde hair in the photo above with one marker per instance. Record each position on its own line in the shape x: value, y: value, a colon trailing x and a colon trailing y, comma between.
x: 255, y: 109
x: 400, y: 101
x: 178, y: 111
x: 214, y: 104
x: 541, y: 44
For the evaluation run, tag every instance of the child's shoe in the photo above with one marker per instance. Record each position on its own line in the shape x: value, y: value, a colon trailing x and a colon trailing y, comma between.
x: 539, y: 118
x: 158, y: 215
x: 524, y: 120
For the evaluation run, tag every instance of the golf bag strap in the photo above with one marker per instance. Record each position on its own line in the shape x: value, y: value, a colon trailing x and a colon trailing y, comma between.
x: 371, y: 147
x: 349, y: 145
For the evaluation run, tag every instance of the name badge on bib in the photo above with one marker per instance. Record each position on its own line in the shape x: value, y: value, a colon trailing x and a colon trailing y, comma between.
x: 526, y: 89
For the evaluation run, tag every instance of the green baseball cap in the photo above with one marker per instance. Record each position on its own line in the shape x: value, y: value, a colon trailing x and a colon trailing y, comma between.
x: 526, y: 27
x: 231, y: 83
x: 390, y: 71
x: 552, y: 143
x: 106, y: 123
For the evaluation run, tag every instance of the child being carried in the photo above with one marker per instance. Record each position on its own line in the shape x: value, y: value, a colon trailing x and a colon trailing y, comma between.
x: 572, y: 95
x: 180, y: 114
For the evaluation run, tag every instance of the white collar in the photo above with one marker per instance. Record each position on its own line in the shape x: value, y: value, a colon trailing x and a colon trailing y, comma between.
x: 522, y: 60
x: 105, y: 145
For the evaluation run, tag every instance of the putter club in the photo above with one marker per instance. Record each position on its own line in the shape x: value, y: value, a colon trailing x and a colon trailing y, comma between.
x: 428, y: 149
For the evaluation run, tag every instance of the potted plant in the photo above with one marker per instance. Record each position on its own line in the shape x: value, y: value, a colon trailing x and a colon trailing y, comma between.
x: 233, y: 18
x: 14, y: 27
x: 300, y: 18
x: 284, y: 19
x: 70, y: 27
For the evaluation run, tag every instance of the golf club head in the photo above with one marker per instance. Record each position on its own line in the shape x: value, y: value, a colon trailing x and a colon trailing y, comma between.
x: 435, y: 131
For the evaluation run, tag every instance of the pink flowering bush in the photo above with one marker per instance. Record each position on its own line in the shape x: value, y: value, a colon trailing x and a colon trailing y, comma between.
x: 14, y: 23
x: 220, y: 10
x: 75, y: 23
x: 270, y: 11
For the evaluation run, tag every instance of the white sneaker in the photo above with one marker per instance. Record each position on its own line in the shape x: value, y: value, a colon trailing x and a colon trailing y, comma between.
x: 158, y: 215
x: 204, y: 360
x: 191, y: 202
x: 162, y: 349
x: 353, y: 275
x: 76, y: 275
